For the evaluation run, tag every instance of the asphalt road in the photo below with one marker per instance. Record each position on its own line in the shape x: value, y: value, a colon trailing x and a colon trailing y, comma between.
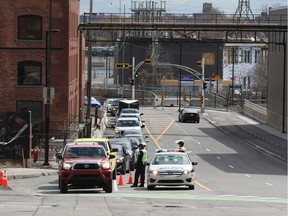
x: 233, y: 178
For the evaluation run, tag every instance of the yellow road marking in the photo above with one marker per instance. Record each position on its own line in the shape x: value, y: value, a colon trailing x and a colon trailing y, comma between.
x: 206, y: 188
x: 152, y: 137
x: 165, y: 130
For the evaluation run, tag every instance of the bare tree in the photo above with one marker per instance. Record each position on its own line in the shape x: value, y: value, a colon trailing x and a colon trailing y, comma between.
x: 260, y: 81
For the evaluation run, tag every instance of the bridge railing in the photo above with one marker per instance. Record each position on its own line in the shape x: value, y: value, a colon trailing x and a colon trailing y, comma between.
x: 168, y: 18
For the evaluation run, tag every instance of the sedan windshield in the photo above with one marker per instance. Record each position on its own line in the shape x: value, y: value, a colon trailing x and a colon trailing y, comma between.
x: 127, y: 123
x: 170, y: 159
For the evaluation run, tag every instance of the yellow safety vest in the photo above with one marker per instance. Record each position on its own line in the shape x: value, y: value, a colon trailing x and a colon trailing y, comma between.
x: 145, y: 156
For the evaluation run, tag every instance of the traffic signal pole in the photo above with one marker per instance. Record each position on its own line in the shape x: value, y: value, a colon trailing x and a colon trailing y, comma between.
x: 203, y: 91
x: 133, y: 74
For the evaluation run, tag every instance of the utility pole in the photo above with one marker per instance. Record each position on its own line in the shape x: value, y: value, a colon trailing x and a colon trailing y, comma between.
x: 133, y: 74
x: 88, y: 113
x: 233, y: 68
x: 203, y: 79
x: 48, y: 85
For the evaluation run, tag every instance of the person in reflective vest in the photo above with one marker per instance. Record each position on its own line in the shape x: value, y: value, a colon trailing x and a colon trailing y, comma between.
x: 140, y: 165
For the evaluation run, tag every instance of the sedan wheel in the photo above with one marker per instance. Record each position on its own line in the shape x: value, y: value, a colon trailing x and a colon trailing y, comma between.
x: 150, y: 187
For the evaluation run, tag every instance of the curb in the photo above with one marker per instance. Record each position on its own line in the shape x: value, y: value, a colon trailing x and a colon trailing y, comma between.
x: 33, y: 174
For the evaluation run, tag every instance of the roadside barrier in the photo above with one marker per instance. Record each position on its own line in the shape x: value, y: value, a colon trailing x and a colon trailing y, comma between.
x: 121, y: 180
x: 130, y: 179
x: 1, y: 177
x: 4, y: 180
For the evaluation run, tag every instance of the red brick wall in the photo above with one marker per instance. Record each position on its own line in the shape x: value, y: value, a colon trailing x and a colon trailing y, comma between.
x: 65, y: 57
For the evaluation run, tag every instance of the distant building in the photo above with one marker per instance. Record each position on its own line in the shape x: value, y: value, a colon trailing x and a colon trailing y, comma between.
x: 247, y: 57
x: 277, y: 85
x: 207, y: 7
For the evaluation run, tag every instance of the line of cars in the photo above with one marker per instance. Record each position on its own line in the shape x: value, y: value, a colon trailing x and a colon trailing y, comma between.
x: 95, y: 162
x: 129, y: 133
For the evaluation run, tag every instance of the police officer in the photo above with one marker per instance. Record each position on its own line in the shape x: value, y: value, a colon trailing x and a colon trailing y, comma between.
x: 142, y: 160
x: 181, y: 145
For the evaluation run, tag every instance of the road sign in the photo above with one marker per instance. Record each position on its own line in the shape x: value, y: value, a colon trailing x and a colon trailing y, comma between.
x: 217, y: 78
x: 187, y: 78
x: 100, y: 92
x: 184, y: 97
x: 162, y: 95
x: 201, y: 99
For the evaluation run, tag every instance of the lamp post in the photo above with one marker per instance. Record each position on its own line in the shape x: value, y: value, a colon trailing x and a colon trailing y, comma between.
x: 48, y: 84
x: 48, y: 93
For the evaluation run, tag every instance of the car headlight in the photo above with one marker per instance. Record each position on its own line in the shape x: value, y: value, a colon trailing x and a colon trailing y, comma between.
x: 67, y: 166
x: 105, y: 165
x: 153, y: 172
x: 185, y: 172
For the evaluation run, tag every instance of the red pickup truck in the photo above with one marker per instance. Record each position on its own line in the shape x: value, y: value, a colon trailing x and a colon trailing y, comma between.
x: 84, y: 166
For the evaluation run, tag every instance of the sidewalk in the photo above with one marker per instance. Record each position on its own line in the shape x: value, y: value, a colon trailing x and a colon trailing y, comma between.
x: 220, y: 118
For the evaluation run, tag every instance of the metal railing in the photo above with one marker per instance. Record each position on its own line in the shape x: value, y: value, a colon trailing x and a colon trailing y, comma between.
x: 168, y: 18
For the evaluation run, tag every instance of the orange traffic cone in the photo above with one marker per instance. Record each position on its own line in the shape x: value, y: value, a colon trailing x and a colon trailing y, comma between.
x: 4, y: 180
x: 1, y: 177
x: 130, y: 179
x: 121, y: 180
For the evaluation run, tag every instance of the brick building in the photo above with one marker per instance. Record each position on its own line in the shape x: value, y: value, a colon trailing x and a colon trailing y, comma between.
x: 24, y: 31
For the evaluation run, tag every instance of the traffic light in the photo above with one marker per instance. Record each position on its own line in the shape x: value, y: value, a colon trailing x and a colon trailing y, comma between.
x: 132, y: 82
x: 136, y: 75
x: 148, y: 61
x: 204, y: 85
x: 122, y: 66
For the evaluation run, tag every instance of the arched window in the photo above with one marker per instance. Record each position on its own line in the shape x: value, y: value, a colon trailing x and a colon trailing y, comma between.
x: 29, y: 27
x: 29, y: 73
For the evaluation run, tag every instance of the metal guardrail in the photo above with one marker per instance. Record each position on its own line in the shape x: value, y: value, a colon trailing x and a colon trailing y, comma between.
x: 255, y: 107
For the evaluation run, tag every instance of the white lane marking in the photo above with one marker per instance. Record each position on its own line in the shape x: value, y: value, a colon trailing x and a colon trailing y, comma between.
x: 218, y: 158
x: 198, y: 142
x: 269, y: 184
x: 208, y: 150
x: 231, y: 166
x: 247, y: 175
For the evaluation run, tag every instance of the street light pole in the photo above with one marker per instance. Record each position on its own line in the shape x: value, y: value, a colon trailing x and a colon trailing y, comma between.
x: 133, y: 77
x: 48, y: 83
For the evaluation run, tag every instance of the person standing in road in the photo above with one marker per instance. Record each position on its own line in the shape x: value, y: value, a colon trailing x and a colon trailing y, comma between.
x: 181, y: 145
x: 142, y: 160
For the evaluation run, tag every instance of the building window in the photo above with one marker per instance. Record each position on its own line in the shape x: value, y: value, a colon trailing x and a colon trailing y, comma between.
x: 209, y: 58
x: 29, y: 73
x: 29, y: 27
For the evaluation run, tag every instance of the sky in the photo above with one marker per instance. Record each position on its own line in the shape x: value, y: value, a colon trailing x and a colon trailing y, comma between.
x: 180, y: 6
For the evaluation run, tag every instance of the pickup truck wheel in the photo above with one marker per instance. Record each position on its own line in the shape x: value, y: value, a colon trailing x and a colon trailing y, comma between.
x: 63, y: 186
x: 108, y: 187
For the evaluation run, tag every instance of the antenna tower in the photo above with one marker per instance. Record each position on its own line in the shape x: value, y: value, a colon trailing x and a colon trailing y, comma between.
x: 244, y: 12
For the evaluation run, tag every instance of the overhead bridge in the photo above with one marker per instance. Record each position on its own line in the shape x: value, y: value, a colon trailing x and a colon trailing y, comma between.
x: 185, y: 24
